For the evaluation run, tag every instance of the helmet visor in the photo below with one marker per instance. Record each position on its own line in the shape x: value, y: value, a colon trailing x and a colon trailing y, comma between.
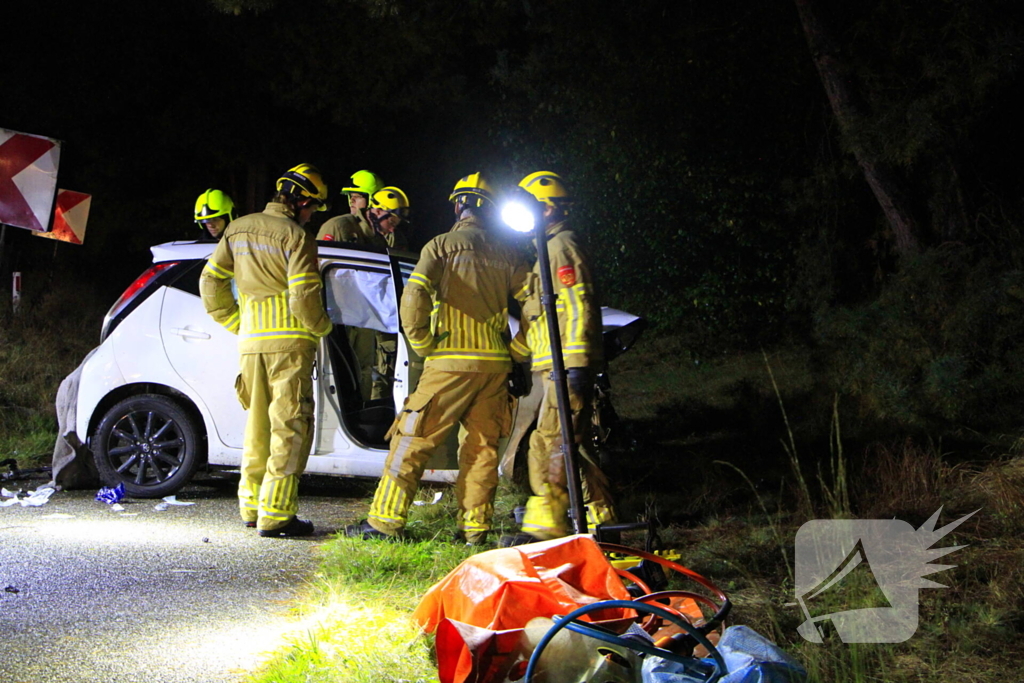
x: 402, y: 214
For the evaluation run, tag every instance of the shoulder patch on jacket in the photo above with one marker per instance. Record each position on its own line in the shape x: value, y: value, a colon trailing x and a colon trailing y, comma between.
x: 567, y: 275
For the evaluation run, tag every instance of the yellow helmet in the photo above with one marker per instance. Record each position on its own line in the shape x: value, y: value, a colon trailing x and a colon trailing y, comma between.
x: 364, y: 182
x: 548, y: 188
x: 392, y: 200
x: 304, y: 180
x: 214, y: 204
x: 474, y: 189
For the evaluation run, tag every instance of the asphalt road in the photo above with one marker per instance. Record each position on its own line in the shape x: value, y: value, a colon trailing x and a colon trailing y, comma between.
x: 184, y: 595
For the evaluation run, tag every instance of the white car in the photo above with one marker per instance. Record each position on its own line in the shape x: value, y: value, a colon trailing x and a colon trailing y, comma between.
x: 157, y: 399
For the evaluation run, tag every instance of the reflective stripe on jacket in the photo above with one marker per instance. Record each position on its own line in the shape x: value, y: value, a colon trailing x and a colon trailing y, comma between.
x: 455, y: 305
x: 579, y: 315
x: 274, y: 263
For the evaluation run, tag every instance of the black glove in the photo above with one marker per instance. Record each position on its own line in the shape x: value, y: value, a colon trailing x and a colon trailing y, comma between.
x: 580, y: 382
x: 519, y: 380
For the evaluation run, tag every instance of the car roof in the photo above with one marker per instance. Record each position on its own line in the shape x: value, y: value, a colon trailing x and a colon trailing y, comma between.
x: 186, y: 250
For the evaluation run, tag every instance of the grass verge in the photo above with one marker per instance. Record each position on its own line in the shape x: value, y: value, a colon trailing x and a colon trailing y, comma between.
x: 355, y: 620
x: 735, y: 521
x: 40, y: 345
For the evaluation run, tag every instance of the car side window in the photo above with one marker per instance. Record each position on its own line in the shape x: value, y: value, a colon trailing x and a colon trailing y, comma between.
x: 187, y: 279
x: 361, y: 297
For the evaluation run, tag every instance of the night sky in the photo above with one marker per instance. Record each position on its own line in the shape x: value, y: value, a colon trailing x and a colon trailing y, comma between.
x: 155, y: 102
x: 685, y: 128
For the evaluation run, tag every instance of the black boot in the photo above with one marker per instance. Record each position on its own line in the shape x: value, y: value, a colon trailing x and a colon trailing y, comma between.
x: 519, y: 539
x: 294, y: 527
x: 366, y: 532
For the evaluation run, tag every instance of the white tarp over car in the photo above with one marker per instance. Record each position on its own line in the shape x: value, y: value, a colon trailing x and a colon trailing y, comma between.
x: 361, y: 298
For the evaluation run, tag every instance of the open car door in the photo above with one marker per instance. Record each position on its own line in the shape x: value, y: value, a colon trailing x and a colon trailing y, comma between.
x: 367, y: 369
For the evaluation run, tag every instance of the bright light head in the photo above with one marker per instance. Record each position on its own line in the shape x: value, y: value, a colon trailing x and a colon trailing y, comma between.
x: 518, y: 216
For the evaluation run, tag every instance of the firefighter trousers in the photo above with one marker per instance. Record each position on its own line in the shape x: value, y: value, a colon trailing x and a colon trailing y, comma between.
x: 480, y: 402
x: 384, y: 367
x: 547, y: 509
x: 277, y: 390
x: 375, y: 353
x: 363, y: 342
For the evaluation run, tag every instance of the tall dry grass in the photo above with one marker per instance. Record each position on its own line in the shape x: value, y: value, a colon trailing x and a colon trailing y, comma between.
x: 40, y: 343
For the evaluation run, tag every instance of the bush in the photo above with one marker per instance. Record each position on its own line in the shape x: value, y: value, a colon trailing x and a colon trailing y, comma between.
x: 40, y: 345
x: 940, y: 349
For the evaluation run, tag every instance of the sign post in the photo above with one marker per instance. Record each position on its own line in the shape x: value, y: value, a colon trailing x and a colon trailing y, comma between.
x: 16, y: 291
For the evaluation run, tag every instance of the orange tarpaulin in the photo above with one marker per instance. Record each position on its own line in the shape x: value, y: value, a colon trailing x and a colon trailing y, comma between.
x: 481, y: 607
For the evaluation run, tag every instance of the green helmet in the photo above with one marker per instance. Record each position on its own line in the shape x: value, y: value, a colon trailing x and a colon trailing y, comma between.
x: 214, y: 204
x: 364, y: 182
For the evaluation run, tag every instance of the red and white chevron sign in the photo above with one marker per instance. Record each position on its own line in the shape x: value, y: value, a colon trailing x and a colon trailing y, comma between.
x: 28, y: 179
x: 70, y: 217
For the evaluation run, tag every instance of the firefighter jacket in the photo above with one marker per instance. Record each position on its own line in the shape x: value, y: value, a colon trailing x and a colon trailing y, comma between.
x: 455, y: 306
x: 358, y: 230
x: 274, y: 263
x: 579, y: 315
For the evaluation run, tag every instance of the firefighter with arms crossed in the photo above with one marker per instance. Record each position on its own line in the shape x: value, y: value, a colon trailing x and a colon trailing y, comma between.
x: 579, y: 324
x: 278, y: 317
x: 454, y: 313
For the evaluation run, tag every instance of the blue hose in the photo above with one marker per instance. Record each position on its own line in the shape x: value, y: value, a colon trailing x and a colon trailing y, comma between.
x: 570, y: 621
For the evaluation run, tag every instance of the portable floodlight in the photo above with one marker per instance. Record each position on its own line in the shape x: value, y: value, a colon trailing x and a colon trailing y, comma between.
x: 518, y: 216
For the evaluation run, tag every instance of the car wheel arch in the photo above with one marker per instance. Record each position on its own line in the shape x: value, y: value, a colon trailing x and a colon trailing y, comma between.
x: 128, y: 390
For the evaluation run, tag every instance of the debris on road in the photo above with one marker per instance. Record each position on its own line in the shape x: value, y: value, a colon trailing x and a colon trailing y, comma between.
x: 26, y: 498
x: 437, y: 497
x: 110, y: 495
x: 168, y: 501
x: 15, y: 473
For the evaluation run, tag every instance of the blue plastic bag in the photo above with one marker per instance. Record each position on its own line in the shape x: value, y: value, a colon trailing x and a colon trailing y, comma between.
x: 749, y: 657
x: 110, y: 495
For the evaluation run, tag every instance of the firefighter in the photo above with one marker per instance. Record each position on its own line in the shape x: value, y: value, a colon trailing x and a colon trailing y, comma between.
x: 579, y: 323
x: 354, y: 226
x: 375, y: 225
x: 454, y: 313
x: 214, y: 210
x: 278, y: 318
x: 389, y: 209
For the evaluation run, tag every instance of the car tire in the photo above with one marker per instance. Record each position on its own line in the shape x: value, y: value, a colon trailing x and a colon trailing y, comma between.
x: 148, y: 443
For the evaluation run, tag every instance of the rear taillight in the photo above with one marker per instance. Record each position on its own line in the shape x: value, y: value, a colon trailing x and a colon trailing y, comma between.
x: 130, y: 294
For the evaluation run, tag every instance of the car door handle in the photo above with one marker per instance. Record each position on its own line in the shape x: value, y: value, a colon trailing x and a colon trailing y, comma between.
x: 190, y: 334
